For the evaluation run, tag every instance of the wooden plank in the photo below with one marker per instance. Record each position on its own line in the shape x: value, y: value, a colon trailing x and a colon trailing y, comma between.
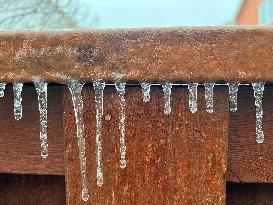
x: 249, y: 161
x: 170, y: 159
x: 20, y: 141
x: 32, y: 189
x: 250, y: 194
x: 171, y: 54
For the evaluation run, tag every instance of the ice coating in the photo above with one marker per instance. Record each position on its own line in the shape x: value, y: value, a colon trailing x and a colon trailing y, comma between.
x: 2, y: 89
x: 120, y: 87
x: 75, y: 89
x: 209, y: 96
x: 17, y: 91
x: 99, y: 87
x: 41, y: 89
x: 167, y: 90
x: 193, y: 97
x: 233, y: 90
x: 146, y: 88
x: 258, y: 94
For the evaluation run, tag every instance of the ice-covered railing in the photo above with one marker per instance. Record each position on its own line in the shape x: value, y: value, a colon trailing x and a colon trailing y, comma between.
x: 198, y: 56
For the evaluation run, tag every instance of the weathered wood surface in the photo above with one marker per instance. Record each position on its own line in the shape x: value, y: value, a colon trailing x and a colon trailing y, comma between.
x: 165, y: 54
x: 31, y: 190
x: 249, y: 161
x: 20, y: 140
x: 170, y: 159
x: 249, y: 194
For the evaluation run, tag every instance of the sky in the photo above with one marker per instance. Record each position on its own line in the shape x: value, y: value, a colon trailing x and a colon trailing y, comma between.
x: 160, y: 13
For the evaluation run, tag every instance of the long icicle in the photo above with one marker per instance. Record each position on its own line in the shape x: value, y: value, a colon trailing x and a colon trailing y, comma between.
x: 2, y: 89
x: 120, y: 87
x: 167, y: 90
x: 41, y: 89
x: 75, y: 89
x: 192, y: 87
x: 233, y: 90
x: 17, y: 91
x: 258, y: 94
x: 146, y: 88
x: 209, y: 96
x: 99, y: 87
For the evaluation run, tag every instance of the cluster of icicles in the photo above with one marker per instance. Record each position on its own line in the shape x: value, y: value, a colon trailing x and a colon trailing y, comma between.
x: 75, y: 88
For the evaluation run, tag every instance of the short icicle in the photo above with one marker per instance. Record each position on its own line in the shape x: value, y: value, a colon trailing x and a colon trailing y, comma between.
x: 258, y: 94
x: 146, y: 88
x: 75, y: 88
x: 167, y: 90
x: 17, y: 92
x: 2, y: 89
x: 233, y: 90
x: 41, y: 89
x: 99, y: 87
x: 209, y: 96
x: 192, y: 87
x: 120, y: 87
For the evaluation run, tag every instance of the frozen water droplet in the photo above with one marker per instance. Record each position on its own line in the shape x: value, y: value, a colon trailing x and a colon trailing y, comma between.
x: 120, y: 87
x: 193, y: 97
x: 99, y: 87
x: 167, y: 90
x: 41, y: 89
x: 75, y: 89
x: 209, y: 97
x: 258, y: 94
x: 233, y: 90
x: 146, y: 87
x: 2, y: 89
x: 17, y: 91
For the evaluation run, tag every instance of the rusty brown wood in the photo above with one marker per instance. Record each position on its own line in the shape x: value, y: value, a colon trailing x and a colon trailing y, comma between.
x: 170, y: 159
x: 20, y: 141
x: 173, y: 54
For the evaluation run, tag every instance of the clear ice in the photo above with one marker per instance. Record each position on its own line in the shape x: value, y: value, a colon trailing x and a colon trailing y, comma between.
x: 120, y: 87
x: 167, y: 90
x: 258, y: 94
x: 41, y: 89
x: 99, y: 87
x: 193, y: 96
x: 75, y: 89
x: 2, y: 89
x: 209, y: 96
x: 232, y: 91
x: 17, y: 91
x: 146, y: 87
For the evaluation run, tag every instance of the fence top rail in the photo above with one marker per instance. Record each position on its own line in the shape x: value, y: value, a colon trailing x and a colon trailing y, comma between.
x: 230, y: 53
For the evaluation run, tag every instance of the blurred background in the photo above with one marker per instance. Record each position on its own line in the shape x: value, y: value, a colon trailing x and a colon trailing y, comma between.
x: 70, y: 14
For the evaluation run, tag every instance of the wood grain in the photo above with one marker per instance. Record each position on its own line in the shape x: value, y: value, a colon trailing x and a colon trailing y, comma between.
x: 170, y: 159
x: 20, y: 140
x: 31, y: 190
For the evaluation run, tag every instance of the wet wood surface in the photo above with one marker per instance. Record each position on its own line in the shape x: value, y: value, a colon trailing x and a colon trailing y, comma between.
x: 242, y: 53
x: 170, y: 159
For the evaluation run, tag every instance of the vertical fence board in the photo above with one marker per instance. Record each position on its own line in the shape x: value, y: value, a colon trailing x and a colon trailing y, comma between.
x: 176, y: 159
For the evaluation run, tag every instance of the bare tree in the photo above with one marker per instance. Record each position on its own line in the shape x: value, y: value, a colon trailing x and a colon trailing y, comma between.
x: 18, y: 14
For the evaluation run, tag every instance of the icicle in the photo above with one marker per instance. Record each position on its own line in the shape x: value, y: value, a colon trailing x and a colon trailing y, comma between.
x: 120, y: 87
x: 258, y: 94
x: 41, y: 89
x: 75, y: 89
x: 209, y: 96
x: 233, y: 90
x: 146, y: 91
x: 99, y: 87
x: 167, y: 89
x: 2, y: 89
x: 193, y: 97
x: 17, y: 91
